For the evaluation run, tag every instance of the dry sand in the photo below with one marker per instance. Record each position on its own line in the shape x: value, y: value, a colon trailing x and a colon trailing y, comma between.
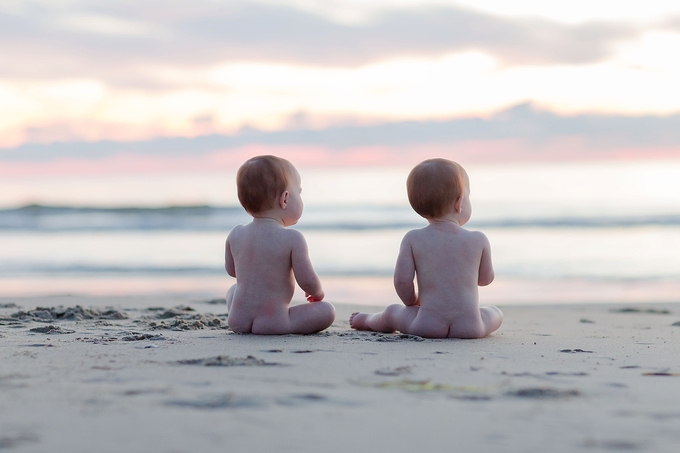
x: 140, y: 375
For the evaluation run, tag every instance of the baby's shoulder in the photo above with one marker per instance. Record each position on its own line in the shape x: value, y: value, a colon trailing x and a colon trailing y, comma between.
x: 235, y: 232
x: 416, y: 235
x: 293, y: 237
x: 238, y: 228
x: 476, y: 237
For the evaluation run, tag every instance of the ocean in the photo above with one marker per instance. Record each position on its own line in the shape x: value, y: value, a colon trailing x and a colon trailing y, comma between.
x: 560, y: 233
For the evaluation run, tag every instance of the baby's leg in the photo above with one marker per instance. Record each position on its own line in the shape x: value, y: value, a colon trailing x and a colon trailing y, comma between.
x: 369, y: 321
x: 394, y: 317
x: 311, y: 317
x: 492, y: 317
x: 230, y: 297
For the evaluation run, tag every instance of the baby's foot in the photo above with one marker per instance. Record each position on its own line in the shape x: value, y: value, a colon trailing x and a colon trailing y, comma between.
x: 358, y: 321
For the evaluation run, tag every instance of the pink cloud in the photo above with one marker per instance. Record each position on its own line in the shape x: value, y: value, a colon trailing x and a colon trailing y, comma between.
x: 487, y: 151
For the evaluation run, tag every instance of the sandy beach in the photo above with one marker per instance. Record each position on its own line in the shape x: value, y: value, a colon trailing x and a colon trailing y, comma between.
x: 165, y: 374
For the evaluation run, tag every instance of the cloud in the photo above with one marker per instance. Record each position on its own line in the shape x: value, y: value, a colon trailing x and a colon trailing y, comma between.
x: 282, y: 33
x: 527, y: 129
x: 119, y: 41
x: 672, y: 24
x: 101, y: 24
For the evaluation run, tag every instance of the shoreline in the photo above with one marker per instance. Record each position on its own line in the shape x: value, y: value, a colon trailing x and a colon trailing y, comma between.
x: 146, y: 373
x: 363, y: 290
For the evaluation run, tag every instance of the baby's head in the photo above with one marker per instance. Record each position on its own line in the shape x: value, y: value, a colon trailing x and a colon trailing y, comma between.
x: 434, y: 185
x: 262, y: 180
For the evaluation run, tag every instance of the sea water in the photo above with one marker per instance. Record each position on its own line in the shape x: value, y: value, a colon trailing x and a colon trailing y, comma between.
x: 575, y: 232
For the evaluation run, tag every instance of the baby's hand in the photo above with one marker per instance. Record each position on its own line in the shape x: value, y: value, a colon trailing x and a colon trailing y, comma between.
x: 314, y: 297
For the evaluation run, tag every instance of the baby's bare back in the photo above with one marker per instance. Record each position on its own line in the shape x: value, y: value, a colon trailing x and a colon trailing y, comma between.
x: 267, y: 260
x: 448, y: 260
x: 262, y: 260
x: 448, y: 263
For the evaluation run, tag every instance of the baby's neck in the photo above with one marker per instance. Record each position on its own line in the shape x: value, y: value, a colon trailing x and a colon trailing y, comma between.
x: 445, y: 220
x: 265, y: 219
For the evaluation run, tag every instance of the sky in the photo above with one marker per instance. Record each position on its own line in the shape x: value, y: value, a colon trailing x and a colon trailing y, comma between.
x: 101, y: 86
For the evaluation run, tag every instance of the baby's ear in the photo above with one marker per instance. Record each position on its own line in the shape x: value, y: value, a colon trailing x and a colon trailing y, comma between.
x: 283, y: 200
x: 458, y: 205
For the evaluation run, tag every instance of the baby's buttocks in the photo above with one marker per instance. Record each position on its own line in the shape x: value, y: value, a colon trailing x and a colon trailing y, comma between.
x: 428, y: 324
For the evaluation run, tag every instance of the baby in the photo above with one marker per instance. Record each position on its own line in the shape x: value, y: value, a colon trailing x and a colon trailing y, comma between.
x: 448, y: 261
x: 267, y: 259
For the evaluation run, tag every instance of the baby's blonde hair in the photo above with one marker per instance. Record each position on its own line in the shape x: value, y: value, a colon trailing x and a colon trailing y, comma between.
x: 433, y: 185
x: 260, y: 181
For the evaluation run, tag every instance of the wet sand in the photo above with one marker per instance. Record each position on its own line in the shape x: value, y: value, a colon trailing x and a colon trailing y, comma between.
x: 154, y: 374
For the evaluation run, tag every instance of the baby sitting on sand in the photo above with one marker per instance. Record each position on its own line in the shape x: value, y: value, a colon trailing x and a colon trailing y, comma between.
x: 267, y: 259
x: 448, y: 261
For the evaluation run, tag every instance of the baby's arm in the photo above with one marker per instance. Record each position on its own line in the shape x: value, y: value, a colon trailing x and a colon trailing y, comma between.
x: 404, y: 272
x: 303, y: 270
x: 229, y: 258
x: 486, y: 274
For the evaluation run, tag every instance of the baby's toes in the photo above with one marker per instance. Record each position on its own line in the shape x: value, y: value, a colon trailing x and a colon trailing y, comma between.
x: 358, y: 321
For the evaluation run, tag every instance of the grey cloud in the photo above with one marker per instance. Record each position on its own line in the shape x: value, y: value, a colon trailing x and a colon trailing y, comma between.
x: 196, y: 33
x: 535, y: 128
x: 672, y: 24
x: 279, y: 33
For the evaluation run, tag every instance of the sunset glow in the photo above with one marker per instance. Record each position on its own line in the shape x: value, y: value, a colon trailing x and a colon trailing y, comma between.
x: 167, y: 96
x: 106, y: 88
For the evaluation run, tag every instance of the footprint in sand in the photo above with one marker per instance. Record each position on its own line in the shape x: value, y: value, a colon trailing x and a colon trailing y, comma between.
x: 7, y: 442
x: 543, y: 393
x: 224, y: 360
x: 232, y: 401
x: 143, y: 336
x: 399, y: 371
x: 228, y: 401
x: 52, y: 330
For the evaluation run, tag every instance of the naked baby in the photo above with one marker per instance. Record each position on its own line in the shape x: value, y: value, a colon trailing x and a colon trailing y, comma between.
x: 447, y: 261
x: 267, y: 258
